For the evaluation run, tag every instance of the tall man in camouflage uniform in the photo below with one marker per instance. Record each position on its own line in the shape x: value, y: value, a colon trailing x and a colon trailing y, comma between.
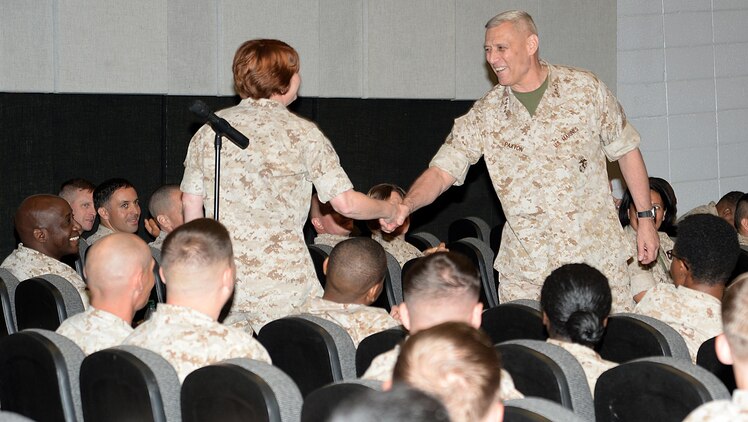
x: 119, y: 272
x: 48, y: 232
x: 544, y: 132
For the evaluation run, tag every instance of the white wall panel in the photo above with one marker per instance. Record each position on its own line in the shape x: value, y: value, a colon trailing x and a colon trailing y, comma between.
x: 341, y: 45
x: 111, y: 46
x: 295, y: 22
x: 474, y: 77
x: 576, y: 33
x: 27, y: 46
x: 410, y: 51
x: 192, y: 47
x: 653, y: 132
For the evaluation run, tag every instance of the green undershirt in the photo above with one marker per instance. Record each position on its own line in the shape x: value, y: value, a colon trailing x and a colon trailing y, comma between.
x: 531, y: 99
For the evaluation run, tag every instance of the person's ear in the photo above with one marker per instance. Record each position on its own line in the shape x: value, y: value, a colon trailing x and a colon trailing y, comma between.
x: 605, y: 322
x: 40, y: 235
x: 324, y: 265
x: 722, y: 348
x: 103, y: 213
x: 317, y: 224
x: 163, y: 221
x: 547, y: 322
x: 373, y: 293
x: 532, y: 44
x: 161, y: 273
x: 404, y: 315
x: 387, y: 385
x: 476, y: 317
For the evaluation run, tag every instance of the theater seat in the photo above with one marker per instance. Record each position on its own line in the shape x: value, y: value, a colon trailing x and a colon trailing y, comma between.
x: 631, y: 336
x: 469, y: 227
x: 661, y: 389
x: 422, y: 240
x: 320, y: 404
x: 482, y: 257
x: 707, y: 359
x: 375, y: 345
x: 8, y: 284
x: 312, y: 351
x: 39, y: 372
x: 237, y: 390
x: 535, y: 409
x: 129, y: 383
x: 319, y: 253
x: 45, y: 301
x: 518, y: 319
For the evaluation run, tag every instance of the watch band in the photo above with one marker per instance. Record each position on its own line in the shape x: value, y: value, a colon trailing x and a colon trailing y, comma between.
x: 647, y: 214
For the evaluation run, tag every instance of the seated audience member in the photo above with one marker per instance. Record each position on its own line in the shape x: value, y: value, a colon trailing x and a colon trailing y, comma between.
x: 197, y: 267
x: 331, y: 226
x: 400, y: 403
x: 724, y: 208
x: 394, y: 243
x: 79, y: 194
x: 741, y: 221
x: 576, y: 301
x: 732, y: 349
x: 355, y: 276
x: 704, y: 256
x: 644, y: 277
x: 165, y: 207
x: 441, y: 287
x: 119, y: 272
x: 457, y: 364
x: 117, y: 204
x: 48, y: 232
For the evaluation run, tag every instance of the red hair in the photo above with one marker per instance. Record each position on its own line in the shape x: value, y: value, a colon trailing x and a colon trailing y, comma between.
x: 263, y: 68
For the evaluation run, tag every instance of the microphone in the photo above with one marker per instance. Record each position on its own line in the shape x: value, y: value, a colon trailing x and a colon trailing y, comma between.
x: 220, y: 126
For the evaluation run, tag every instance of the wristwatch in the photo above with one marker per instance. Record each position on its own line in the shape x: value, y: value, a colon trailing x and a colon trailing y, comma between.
x: 647, y: 214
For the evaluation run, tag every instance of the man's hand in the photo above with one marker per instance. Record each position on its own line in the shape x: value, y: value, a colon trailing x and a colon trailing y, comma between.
x: 441, y: 248
x: 647, y: 241
x: 151, y: 227
x: 388, y: 225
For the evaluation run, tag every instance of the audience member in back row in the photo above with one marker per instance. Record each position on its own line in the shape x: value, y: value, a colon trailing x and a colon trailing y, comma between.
x: 119, y: 273
x: 724, y: 208
x: 48, y: 232
x: 732, y: 349
x: 331, y: 226
x: 355, y: 276
x: 165, y: 207
x: 79, y: 194
x: 741, y: 221
x: 441, y: 287
x: 704, y: 256
x: 457, y: 364
x: 118, y: 207
x: 576, y: 301
x: 394, y: 243
x: 646, y: 276
x: 197, y: 267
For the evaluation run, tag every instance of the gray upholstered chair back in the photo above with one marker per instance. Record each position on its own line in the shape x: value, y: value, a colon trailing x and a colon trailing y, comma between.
x: 469, y: 227
x: 518, y: 319
x: 45, y: 301
x: 537, y: 366
x: 482, y: 256
x: 536, y: 409
x: 13, y: 417
x: 422, y: 240
x: 660, y: 388
x: 70, y: 295
x: 10, y: 282
x: 286, y: 392
x: 321, y: 403
x: 393, y: 283
x: 631, y: 336
x: 343, y: 342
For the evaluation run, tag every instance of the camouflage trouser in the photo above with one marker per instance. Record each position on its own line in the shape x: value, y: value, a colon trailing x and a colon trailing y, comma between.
x: 511, y: 288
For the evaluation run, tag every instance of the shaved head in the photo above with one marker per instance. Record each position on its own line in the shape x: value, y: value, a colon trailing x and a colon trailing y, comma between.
x: 45, y: 223
x: 113, y: 262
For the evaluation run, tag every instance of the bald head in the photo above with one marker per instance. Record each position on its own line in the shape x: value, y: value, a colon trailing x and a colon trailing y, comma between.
x: 45, y: 223
x: 114, y: 264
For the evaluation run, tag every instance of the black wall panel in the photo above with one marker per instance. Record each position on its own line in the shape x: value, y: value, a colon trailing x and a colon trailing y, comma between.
x: 49, y: 138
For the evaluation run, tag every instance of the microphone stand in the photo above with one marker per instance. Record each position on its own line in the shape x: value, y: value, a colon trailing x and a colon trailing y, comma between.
x: 221, y: 127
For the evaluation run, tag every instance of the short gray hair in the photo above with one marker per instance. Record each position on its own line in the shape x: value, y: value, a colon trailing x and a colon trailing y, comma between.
x: 520, y: 19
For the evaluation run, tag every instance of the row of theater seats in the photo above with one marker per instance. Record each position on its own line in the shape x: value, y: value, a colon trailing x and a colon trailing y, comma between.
x: 314, y: 366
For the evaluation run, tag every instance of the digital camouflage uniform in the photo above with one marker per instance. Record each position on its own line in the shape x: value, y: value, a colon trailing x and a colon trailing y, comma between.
x: 329, y: 239
x: 189, y: 339
x: 159, y: 241
x: 94, y: 330
x: 695, y: 315
x: 743, y: 240
x: 265, y: 193
x: 398, y: 248
x: 710, y: 208
x: 549, y: 172
x: 98, y: 234
x: 644, y: 277
x: 360, y: 321
x: 25, y: 263
x: 735, y: 410
x: 591, y: 362
x: 383, y: 366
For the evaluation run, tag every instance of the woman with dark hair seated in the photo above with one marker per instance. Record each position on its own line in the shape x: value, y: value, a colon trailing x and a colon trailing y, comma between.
x: 644, y: 277
x: 576, y: 301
